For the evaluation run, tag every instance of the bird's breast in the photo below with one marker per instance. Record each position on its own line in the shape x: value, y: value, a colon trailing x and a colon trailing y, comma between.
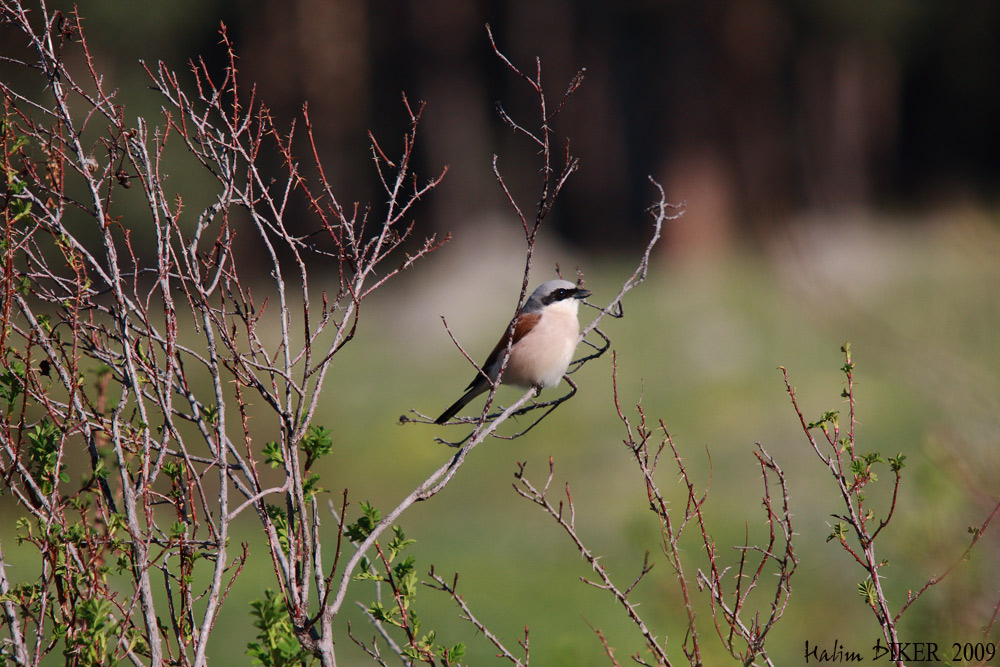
x: 542, y: 356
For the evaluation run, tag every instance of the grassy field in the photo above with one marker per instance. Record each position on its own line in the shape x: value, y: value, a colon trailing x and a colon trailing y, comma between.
x: 700, y: 347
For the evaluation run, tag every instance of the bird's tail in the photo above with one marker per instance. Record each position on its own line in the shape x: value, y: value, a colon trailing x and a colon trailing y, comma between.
x: 477, y: 389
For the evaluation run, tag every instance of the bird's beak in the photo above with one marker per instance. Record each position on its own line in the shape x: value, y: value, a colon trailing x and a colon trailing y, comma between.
x: 582, y: 293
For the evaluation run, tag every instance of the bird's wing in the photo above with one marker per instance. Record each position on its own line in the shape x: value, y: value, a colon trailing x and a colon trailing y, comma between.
x: 522, y: 326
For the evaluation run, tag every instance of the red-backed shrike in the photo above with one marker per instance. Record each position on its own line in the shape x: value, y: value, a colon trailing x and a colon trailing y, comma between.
x: 546, y: 331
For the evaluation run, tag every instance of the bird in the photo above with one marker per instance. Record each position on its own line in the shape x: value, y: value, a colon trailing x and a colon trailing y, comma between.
x: 546, y: 331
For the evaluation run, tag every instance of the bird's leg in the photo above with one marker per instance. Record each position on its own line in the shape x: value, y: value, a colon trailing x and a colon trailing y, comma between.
x: 454, y: 444
x: 599, y: 350
x: 551, y: 405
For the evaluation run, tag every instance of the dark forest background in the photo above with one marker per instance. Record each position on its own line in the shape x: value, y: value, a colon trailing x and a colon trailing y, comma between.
x: 755, y: 112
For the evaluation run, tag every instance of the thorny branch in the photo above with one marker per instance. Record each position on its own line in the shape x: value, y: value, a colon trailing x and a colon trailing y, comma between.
x: 564, y: 514
x: 487, y: 424
x: 138, y: 333
x: 852, y: 473
x: 140, y: 338
x: 452, y: 590
x: 741, y: 629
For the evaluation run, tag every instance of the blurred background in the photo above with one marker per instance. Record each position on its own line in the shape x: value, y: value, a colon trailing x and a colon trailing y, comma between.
x: 752, y: 111
x: 839, y: 167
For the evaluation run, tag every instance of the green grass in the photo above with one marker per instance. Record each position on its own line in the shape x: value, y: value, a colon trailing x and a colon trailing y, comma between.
x: 699, y: 347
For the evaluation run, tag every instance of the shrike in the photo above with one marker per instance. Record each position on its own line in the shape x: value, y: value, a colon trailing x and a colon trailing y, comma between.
x: 546, y: 331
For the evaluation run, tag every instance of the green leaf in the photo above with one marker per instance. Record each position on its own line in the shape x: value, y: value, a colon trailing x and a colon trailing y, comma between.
x: 867, y: 590
x: 381, y: 614
x: 408, y: 589
x: 316, y: 444
x: 363, y: 527
x: 211, y: 414
x: 404, y: 567
x: 873, y: 457
x: 12, y: 383
x: 273, y: 455
x: 310, y: 487
x: 279, y: 519
x: 23, y: 528
x: 453, y: 654
x: 827, y: 417
x: 172, y: 469
x: 398, y: 543
x: 276, y: 644
x: 839, y: 532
